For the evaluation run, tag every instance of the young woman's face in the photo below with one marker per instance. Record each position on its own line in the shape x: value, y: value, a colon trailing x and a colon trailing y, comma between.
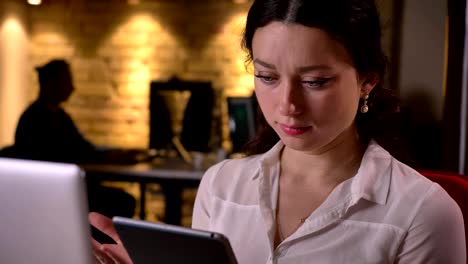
x: 306, y: 85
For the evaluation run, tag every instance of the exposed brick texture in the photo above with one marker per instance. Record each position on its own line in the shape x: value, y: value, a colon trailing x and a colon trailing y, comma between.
x: 116, y: 49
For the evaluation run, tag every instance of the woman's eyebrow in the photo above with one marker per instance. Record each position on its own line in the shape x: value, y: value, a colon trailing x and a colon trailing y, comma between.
x: 264, y: 64
x: 313, y: 68
x: 300, y: 69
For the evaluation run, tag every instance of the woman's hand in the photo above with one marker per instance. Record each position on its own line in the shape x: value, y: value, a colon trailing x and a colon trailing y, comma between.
x: 107, y: 253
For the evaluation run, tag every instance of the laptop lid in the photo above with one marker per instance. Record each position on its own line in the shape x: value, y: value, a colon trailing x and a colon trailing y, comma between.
x: 148, y: 243
x: 44, y: 213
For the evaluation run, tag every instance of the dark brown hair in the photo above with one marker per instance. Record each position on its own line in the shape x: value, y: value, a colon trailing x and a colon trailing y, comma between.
x: 353, y: 23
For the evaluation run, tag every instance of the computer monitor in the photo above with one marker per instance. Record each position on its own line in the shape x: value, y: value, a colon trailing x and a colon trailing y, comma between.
x: 160, y: 123
x: 197, y: 120
x: 242, y: 125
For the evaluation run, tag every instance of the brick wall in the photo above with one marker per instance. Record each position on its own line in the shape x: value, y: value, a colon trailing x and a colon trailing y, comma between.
x: 116, y: 49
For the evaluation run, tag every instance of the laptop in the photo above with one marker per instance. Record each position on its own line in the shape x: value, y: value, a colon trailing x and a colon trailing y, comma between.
x: 149, y: 243
x: 44, y: 213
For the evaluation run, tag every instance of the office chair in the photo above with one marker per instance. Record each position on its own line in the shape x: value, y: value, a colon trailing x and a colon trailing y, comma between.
x: 456, y: 186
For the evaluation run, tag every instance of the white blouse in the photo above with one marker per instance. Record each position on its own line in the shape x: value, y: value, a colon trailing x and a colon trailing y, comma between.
x: 386, y: 213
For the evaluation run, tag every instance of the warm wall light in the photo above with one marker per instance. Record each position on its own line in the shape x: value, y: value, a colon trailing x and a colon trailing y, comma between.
x: 34, y: 2
x: 13, y: 67
x: 240, y: 1
x: 133, y: 2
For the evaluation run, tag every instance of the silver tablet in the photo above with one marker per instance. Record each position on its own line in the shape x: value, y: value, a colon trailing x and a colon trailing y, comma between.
x: 148, y: 242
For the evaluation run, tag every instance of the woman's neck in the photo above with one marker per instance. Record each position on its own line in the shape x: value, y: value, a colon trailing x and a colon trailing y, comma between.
x: 333, y: 164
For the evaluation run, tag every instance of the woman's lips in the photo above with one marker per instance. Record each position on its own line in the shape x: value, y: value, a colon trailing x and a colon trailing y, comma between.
x: 294, y: 130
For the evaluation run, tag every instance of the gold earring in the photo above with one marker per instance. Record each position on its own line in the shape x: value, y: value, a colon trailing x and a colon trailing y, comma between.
x: 365, y: 107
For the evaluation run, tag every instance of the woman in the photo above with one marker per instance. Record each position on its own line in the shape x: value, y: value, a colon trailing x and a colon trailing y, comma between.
x: 320, y: 188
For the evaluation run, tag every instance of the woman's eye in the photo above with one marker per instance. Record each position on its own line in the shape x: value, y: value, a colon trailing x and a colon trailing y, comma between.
x: 316, y: 83
x: 265, y: 79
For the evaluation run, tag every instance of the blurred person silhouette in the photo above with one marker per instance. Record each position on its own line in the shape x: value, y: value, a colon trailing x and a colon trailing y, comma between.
x: 46, y: 132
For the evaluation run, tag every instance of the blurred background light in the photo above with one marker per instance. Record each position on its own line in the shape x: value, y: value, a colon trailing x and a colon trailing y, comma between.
x: 133, y: 2
x: 34, y: 2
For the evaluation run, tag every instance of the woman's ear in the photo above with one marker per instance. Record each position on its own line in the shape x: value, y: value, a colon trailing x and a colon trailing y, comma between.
x: 369, y: 83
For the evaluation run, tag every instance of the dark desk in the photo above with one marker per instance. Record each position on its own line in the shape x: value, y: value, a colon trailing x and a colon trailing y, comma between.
x: 172, y: 174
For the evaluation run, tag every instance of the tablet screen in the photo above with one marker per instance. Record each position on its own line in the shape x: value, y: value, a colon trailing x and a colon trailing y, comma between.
x: 148, y: 242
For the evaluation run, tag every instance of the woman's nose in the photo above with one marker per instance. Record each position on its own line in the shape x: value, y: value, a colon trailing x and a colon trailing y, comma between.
x: 290, y: 101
